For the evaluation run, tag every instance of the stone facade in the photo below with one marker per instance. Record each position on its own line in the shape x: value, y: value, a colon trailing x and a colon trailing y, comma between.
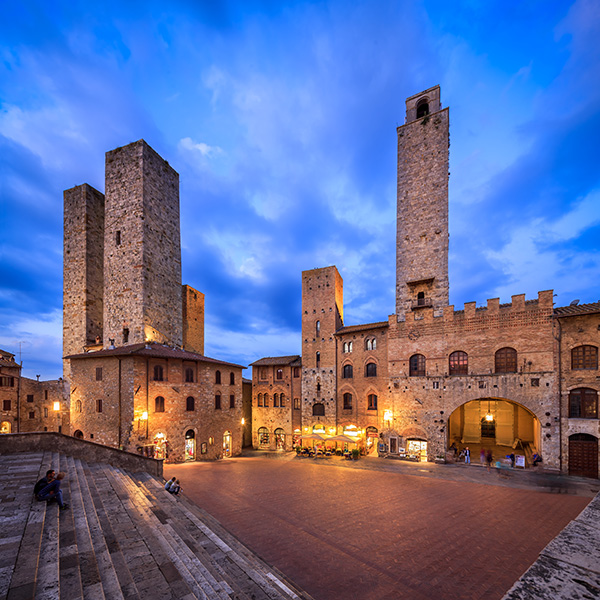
x: 193, y: 319
x: 519, y: 377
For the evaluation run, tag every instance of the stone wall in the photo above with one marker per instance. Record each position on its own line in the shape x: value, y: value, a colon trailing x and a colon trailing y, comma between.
x: 193, y: 319
x: 90, y: 452
x: 422, y: 210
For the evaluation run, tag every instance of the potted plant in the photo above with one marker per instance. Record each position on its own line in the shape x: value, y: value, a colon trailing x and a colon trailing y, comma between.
x: 355, y: 453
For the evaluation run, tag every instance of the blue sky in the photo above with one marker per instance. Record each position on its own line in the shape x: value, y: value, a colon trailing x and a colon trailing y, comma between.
x: 281, y: 119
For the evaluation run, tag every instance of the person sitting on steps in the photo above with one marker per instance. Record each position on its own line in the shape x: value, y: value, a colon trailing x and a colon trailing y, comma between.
x: 43, y: 482
x: 52, y: 492
x: 170, y: 483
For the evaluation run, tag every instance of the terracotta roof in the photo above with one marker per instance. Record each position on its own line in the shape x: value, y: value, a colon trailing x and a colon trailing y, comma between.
x: 152, y: 350
x: 366, y: 326
x: 9, y: 363
x: 580, y: 309
x: 274, y: 360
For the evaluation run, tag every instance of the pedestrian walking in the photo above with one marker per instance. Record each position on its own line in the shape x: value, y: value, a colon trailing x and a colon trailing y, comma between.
x: 489, y: 458
x: 467, y: 456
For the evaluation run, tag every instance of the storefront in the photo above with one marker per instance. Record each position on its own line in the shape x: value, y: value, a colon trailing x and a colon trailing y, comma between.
x: 263, y: 437
x: 161, y: 446
x: 279, y: 439
x: 190, y: 445
x: 227, y: 444
x: 296, y: 441
x: 372, y: 437
x: 5, y: 427
x: 417, y: 448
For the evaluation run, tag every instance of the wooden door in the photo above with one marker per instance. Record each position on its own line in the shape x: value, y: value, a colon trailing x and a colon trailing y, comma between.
x: 583, y: 455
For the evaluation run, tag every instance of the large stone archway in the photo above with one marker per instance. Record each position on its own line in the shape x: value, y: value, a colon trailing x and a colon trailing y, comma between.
x: 498, y: 424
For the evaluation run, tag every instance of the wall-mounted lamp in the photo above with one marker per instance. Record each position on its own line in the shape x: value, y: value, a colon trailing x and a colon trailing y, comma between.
x: 57, y: 406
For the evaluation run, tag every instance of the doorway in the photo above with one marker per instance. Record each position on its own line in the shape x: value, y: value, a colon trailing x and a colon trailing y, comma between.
x: 583, y: 455
x: 227, y: 444
x: 279, y: 439
x: 190, y: 445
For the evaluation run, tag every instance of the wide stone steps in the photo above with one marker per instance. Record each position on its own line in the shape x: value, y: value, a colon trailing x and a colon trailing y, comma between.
x: 123, y: 538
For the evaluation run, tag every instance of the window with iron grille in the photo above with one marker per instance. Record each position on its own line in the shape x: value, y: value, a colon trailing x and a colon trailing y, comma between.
x: 458, y: 363
x: 583, y: 403
x: 416, y: 365
x: 584, y: 357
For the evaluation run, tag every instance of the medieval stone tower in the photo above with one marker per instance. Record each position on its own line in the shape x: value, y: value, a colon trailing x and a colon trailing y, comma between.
x: 422, y: 210
x: 322, y: 316
x: 142, y: 248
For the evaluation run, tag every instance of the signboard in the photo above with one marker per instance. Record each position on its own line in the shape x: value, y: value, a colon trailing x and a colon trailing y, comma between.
x: 520, y: 461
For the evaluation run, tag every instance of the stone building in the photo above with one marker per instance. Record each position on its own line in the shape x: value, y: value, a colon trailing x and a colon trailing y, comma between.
x: 133, y: 336
x: 520, y: 377
x: 29, y: 404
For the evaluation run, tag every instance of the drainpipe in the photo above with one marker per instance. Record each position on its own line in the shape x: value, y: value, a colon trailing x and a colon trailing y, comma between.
x: 19, y: 399
x: 147, y: 395
x: 560, y: 423
x: 120, y: 408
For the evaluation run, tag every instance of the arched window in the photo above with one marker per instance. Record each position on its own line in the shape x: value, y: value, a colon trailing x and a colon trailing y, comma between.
x: 217, y: 376
x: 422, y: 108
x: 275, y: 399
x: 189, y: 403
x: 282, y: 400
x: 279, y: 373
x: 371, y: 344
x: 318, y: 410
x: 159, y: 404
x: 347, y: 401
x: 584, y: 357
x: 583, y: 403
x: 506, y: 360
x: 372, y: 402
x: 263, y: 436
x: 347, y: 372
x: 260, y: 400
x: 458, y: 363
x: 189, y: 375
x: 158, y: 373
x: 345, y: 347
x: 78, y: 434
x: 78, y: 406
x: 266, y: 399
x: 371, y: 370
x: 416, y: 365
x: 318, y: 357
x: 318, y: 386
x: 217, y: 401
x: 232, y: 378
x: 318, y: 328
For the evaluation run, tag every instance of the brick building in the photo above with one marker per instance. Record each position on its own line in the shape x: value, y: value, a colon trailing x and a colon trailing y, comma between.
x: 133, y: 335
x: 520, y: 377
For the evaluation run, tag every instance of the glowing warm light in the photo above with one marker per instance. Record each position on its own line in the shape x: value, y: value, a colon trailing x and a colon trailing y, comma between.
x: 489, y: 417
x: 351, y: 430
x: 243, y: 421
x: 387, y: 415
x: 332, y: 430
x: 57, y: 406
x: 144, y: 416
x: 318, y: 429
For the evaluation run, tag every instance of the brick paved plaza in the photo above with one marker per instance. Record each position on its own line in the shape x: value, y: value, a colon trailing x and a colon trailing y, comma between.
x: 371, y: 534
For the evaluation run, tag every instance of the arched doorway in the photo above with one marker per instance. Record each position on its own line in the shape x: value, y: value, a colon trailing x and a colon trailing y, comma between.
x: 78, y: 434
x: 161, y: 446
x: 279, y: 439
x: 190, y: 445
x: 372, y: 437
x: 495, y: 424
x: 263, y: 437
x: 583, y: 455
x: 5, y: 427
x: 227, y: 444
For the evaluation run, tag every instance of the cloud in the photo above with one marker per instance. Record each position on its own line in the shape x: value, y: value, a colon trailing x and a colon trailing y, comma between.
x: 205, y: 150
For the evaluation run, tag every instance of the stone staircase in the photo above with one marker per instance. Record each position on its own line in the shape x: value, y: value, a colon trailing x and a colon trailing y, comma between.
x: 123, y: 537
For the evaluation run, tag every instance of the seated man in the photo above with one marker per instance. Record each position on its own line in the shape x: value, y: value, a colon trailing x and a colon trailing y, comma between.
x: 169, y: 484
x: 53, y: 492
x: 175, y: 488
x: 43, y: 482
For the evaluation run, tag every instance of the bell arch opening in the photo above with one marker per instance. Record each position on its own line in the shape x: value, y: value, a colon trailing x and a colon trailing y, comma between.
x: 495, y: 424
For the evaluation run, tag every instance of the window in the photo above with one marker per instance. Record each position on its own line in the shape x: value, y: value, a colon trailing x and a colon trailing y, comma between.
x: 422, y: 108
x: 263, y: 373
x: 318, y: 387
x: 584, y: 357
x: 45, y: 394
x: 263, y: 436
x: 217, y: 376
x: 266, y: 399
x: 318, y: 410
x: 421, y: 299
x: 99, y: 405
x: 281, y: 399
x: 78, y: 406
x: 371, y: 344
x: 231, y: 401
x: 318, y: 328
x: 347, y: 372
x: 6, y: 405
x: 506, y: 360
x: 458, y: 363
x: 347, y: 347
x: 29, y: 397
x: 372, y: 402
x: 296, y: 403
x: 347, y: 401
x: 159, y: 404
x: 45, y: 413
x: 98, y: 373
x: 318, y: 357
x: 189, y: 403
x: 189, y: 375
x: 279, y: 373
x: 296, y: 371
x: 158, y: 373
x: 118, y: 238
x: 259, y: 400
x: 232, y: 378
x: 371, y: 370
x: 32, y: 414
x: 416, y: 366
x: 217, y: 401
x: 125, y: 335
x: 7, y: 381
x: 583, y: 403
x: 275, y: 400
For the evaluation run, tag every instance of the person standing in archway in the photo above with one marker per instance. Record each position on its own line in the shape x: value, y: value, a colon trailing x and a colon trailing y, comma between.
x: 467, y: 456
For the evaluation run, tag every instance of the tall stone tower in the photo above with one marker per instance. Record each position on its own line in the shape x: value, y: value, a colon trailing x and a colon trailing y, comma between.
x: 142, y: 248
x: 322, y: 316
x: 83, y: 279
x: 422, y: 211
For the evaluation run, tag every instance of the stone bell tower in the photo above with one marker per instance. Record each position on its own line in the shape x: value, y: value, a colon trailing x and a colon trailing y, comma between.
x: 422, y: 209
